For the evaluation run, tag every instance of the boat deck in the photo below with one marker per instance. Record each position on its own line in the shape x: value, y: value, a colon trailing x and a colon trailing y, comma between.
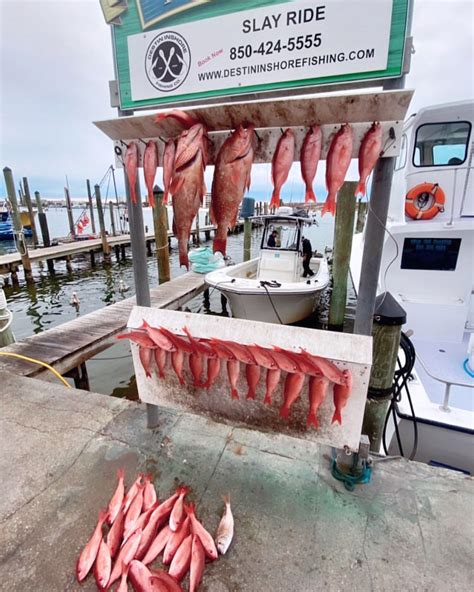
x: 296, y: 527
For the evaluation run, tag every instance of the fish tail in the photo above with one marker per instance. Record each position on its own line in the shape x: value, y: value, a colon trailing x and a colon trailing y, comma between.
x: 219, y: 244
x: 161, y: 374
x: 121, y: 473
x: 337, y: 417
x: 360, y: 189
x: 181, y: 380
x: 275, y: 201
x: 309, y: 195
x: 151, y: 198
x: 133, y: 194
x: 165, y: 197
x: 312, y: 420
x: 329, y: 205
x: 103, y: 515
x: 226, y: 498
x: 268, y: 399
x: 184, y: 260
x: 234, y: 393
x: 284, y: 412
x: 251, y: 394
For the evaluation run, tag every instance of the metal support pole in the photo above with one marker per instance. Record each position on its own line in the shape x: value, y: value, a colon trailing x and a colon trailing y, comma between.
x: 103, y: 234
x: 31, y: 214
x: 112, y: 219
x: 19, y: 236
x: 344, y: 228
x: 91, y: 205
x: 373, y: 245
x: 72, y: 230
x: 247, y: 239
x: 160, y: 218
x: 43, y: 222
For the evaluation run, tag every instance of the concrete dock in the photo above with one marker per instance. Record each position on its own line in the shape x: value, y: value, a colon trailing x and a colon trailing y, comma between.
x: 296, y: 528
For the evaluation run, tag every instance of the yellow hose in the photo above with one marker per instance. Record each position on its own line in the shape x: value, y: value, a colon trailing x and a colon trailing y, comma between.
x: 39, y: 362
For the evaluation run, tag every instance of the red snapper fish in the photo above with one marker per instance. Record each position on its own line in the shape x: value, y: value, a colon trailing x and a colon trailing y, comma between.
x: 337, y: 164
x: 131, y: 168
x: 281, y: 164
x: 178, y: 514
x: 198, y: 529
x: 174, y: 541
x: 140, y: 576
x: 125, y: 556
x: 309, y: 159
x: 89, y: 553
x: 158, y: 544
x: 182, y: 560
x: 117, y: 498
x: 293, y: 385
x: 182, y: 117
x: 369, y: 153
x: 187, y: 187
x: 317, y: 391
x: 231, y: 180
x: 149, y: 493
x: 170, y: 584
x: 198, y: 559
x: 225, y: 530
x: 150, y: 164
x: 168, y: 166
x: 115, y: 534
x: 341, y: 393
x: 102, y: 565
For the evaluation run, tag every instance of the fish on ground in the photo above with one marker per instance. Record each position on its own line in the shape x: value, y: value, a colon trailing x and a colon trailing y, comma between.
x: 182, y: 559
x: 89, y: 553
x: 337, y: 164
x: 230, y: 182
x: 116, y: 500
x: 131, y: 168
x: 149, y: 494
x: 134, y: 511
x: 309, y: 159
x: 174, y: 541
x: 198, y: 559
x: 178, y: 514
x: 125, y: 556
x: 170, y: 583
x: 115, y: 534
x: 281, y: 164
x: 369, y: 153
x: 150, y: 164
x: 132, y: 492
x: 102, y: 565
x: 225, y: 530
x: 158, y: 544
x: 198, y: 529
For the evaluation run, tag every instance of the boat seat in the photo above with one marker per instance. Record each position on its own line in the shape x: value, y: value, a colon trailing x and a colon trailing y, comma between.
x: 281, y: 266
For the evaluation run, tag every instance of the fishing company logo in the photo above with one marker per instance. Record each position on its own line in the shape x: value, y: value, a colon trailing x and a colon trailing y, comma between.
x: 168, y: 61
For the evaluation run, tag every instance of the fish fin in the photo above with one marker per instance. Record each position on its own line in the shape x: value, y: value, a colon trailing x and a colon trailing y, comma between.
x: 219, y: 244
x: 234, y: 393
x: 176, y: 185
x: 312, y: 420
x: 267, y: 400
x: 151, y: 198
x: 329, y: 205
x: 275, y: 201
x: 309, y: 195
x: 103, y: 513
x: 284, y: 412
x: 165, y: 197
x: 337, y: 417
x: 226, y: 498
x: 251, y: 394
x: 121, y: 473
x: 184, y: 260
x: 133, y: 194
x: 360, y: 189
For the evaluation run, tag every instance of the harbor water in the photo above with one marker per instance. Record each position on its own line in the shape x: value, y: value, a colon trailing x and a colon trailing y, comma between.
x: 47, y: 303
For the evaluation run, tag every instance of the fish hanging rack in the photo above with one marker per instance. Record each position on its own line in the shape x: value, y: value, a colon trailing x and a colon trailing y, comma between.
x: 270, y: 117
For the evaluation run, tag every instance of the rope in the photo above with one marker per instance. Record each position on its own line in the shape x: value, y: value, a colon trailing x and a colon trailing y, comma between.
x: 39, y: 362
x: 350, y: 481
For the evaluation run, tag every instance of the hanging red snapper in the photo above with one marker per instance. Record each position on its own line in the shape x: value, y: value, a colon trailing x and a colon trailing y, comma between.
x: 292, y: 390
x: 272, y: 380
x: 341, y: 393
x: 168, y: 166
x: 187, y: 187
x: 131, y: 168
x: 317, y: 391
x: 309, y: 159
x: 337, y: 164
x: 252, y: 373
x: 231, y: 180
x: 281, y: 164
x: 150, y: 164
x: 369, y: 153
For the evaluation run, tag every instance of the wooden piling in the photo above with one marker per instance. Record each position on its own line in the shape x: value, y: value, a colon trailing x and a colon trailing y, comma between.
x: 20, y: 237
x: 361, y: 211
x: 103, y: 234
x: 31, y: 214
x: 265, y: 209
x: 43, y: 222
x: 112, y: 218
x: 247, y: 239
x: 72, y: 230
x: 344, y: 228
x: 160, y: 223
x: 91, y: 205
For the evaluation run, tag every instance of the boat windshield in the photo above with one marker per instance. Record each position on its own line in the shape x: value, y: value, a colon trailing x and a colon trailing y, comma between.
x: 281, y: 234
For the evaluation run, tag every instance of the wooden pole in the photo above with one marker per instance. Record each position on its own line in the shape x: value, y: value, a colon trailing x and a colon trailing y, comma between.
x: 20, y: 237
x: 247, y: 239
x: 344, y: 229
x: 72, y: 230
x: 198, y: 240
x: 103, y: 234
x: 160, y: 223
x: 91, y: 205
x: 31, y: 214
x: 112, y: 218
x: 43, y: 222
x: 361, y: 216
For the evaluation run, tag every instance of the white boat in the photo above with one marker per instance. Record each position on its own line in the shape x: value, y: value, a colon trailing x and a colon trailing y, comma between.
x: 271, y: 287
x: 427, y: 265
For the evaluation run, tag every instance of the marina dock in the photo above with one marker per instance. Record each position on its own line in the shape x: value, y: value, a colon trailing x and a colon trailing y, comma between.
x: 296, y: 527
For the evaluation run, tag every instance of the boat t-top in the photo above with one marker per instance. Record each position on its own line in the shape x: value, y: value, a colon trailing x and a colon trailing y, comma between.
x: 271, y: 287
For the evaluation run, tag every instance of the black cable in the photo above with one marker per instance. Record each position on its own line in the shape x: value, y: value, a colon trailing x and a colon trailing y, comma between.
x: 264, y: 286
x: 400, y: 382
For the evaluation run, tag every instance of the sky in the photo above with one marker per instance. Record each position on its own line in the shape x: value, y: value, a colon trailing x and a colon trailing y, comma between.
x: 56, y: 61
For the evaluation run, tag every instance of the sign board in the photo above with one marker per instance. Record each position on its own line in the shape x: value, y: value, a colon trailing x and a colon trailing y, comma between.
x: 171, y: 51
x: 345, y: 351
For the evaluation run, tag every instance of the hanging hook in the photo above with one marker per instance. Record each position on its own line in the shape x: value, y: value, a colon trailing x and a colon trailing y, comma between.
x: 143, y: 141
x: 257, y: 136
x: 124, y: 143
x: 163, y: 140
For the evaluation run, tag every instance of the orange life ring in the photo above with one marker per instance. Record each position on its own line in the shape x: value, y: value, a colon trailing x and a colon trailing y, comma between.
x: 424, y: 201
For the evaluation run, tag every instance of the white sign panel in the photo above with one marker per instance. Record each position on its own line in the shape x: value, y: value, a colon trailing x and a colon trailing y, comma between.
x: 281, y: 42
x: 345, y: 352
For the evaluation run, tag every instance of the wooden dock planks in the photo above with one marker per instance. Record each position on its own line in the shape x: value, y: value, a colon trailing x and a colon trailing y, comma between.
x: 68, y: 345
